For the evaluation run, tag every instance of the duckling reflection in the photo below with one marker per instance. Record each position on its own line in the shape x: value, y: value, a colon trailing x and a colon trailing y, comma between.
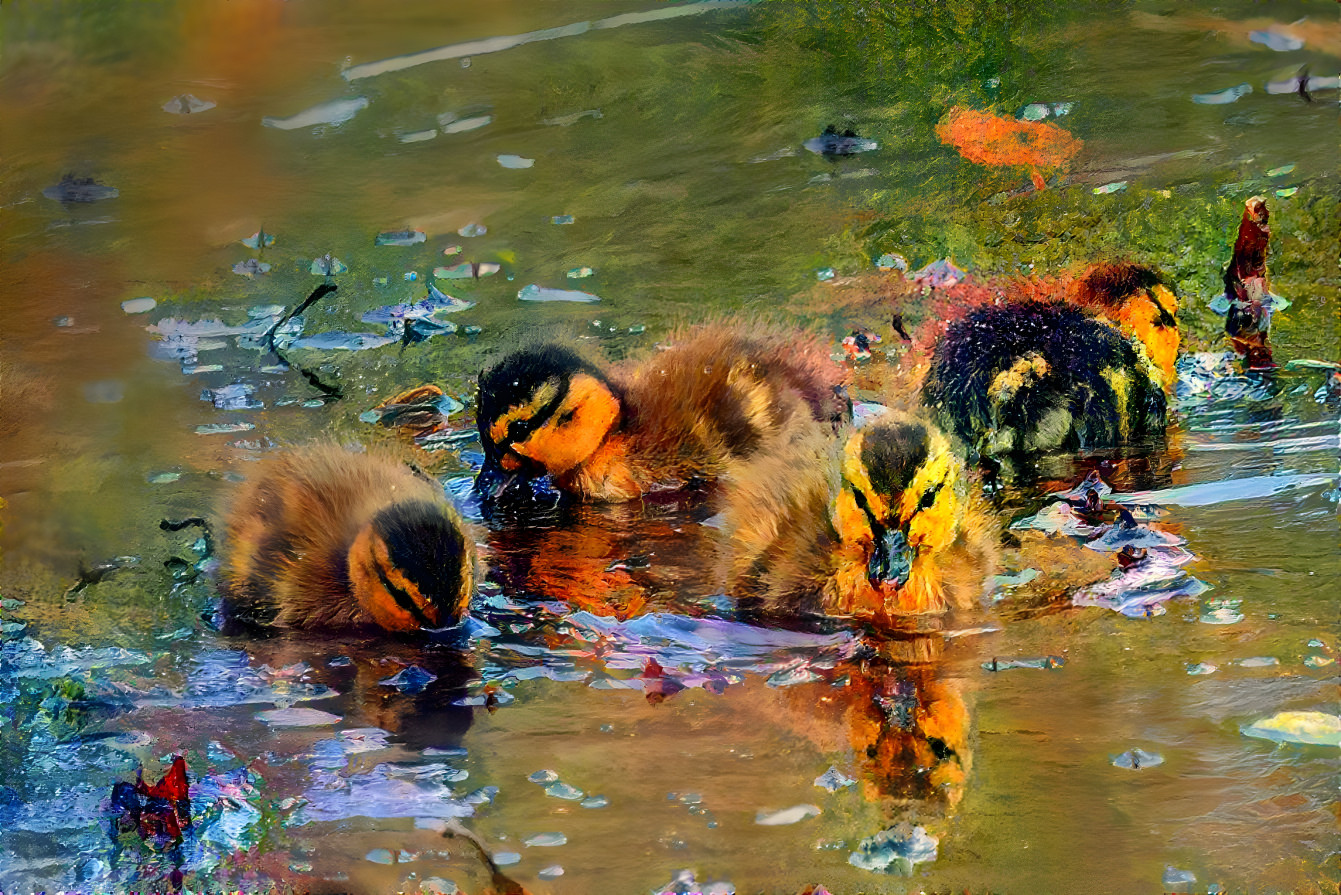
x: 717, y: 396
x: 901, y: 715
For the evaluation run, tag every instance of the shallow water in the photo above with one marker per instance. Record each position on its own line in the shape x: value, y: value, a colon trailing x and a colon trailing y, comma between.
x: 676, y: 146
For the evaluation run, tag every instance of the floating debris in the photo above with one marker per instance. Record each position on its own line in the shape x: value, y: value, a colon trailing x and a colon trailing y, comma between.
x: 506, y: 858
x: 1318, y: 661
x: 251, y: 267
x: 571, y: 119
x: 187, y: 104
x: 1209, y: 493
x: 76, y: 190
x: 1309, y: 84
x: 138, y: 305
x: 545, y: 840
x: 343, y: 341
x: 535, y: 292
x: 895, y: 850
x: 412, y: 679
x: 989, y: 139
x: 786, y: 816
x: 515, y: 161
x: 1281, y: 171
x: 297, y: 716
x: 470, y: 230
x: 451, y: 124
x: 1115, y: 187
x: 1137, y: 759
x: 224, y: 428
x: 832, y: 144
x: 467, y: 270
x: 418, y: 136
x: 1276, y: 40
x: 380, y: 856
x: 833, y: 780
x: 1286, y: 192
x: 1223, y: 97
x: 401, y: 238
x: 580, y: 273
x: 1040, y: 111
x: 889, y: 261
x: 334, y: 112
x: 237, y: 396
x: 1309, y: 728
x: 259, y: 240
x: 1198, y: 668
x: 1048, y: 662
x: 1221, y: 612
x: 327, y: 266
x: 594, y: 802
x: 1258, y: 662
x: 560, y: 790
x: 940, y: 274
x: 561, y: 219
x: 543, y: 777
x: 825, y: 273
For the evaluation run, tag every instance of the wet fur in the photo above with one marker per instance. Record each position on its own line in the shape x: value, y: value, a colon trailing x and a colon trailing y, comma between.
x: 719, y: 395
x: 784, y: 557
x: 289, y: 528
x: 1058, y: 391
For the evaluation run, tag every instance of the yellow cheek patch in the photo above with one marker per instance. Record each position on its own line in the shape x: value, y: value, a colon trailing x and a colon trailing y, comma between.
x: 377, y: 584
x: 547, y: 391
x: 1140, y: 320
x: 576, y: 428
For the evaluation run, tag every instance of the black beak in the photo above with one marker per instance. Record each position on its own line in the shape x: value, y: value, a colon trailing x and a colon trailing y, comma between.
x: 496, y: 486
x: 892, y: 561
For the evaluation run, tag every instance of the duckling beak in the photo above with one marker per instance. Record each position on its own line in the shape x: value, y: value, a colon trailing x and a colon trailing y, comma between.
x: 496, y: 483
x: 892, y: 560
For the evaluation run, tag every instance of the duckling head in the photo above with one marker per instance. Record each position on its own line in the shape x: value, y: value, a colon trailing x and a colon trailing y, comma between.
x: 898, y: 506
x: 411, y: 567
x: 1136, y: 298
x: 542, y: 411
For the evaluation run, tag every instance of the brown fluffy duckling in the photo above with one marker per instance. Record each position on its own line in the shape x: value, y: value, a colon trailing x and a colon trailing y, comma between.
x: 716, y: 397
x: 324, y: 538
x: 885, y: 528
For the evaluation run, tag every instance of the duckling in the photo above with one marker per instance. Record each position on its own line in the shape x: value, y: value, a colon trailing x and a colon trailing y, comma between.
x: 1035, y: 376
x: 884, y: 528
x: 717, y: 396
x: 324, y: 538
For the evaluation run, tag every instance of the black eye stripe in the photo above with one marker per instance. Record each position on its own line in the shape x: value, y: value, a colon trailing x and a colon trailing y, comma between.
x: 1163, y: 317
x: 929, y: 498
x: 520, y: 430
x: 402, y: 597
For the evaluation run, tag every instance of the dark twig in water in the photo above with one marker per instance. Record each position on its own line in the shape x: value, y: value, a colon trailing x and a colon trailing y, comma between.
x: 1303, y: 84
x: 192, y: 521
x: 499, y: 883
x: 99, y: 572
x: 330, y: 391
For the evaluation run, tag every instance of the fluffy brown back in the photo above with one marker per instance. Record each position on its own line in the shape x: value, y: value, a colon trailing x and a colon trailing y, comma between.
x: 289, y: 528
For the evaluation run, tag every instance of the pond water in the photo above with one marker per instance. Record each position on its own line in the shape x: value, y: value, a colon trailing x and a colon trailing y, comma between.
x: 656, y: 161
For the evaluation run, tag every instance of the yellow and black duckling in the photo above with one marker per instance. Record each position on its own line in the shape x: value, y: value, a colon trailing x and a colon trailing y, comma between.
x: 718, y: 396
x: 884, y: 528
x: 324, y: 538
x: 1031, y: 376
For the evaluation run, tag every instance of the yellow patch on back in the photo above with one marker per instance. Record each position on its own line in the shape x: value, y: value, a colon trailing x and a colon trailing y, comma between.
x: 1119, y: 380
x: 1020, y: 374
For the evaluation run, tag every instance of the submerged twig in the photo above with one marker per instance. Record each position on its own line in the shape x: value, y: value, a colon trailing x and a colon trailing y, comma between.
x: 330, y: 391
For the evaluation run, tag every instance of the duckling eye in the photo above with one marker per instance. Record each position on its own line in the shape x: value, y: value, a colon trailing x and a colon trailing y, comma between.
x: 928, y: 498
